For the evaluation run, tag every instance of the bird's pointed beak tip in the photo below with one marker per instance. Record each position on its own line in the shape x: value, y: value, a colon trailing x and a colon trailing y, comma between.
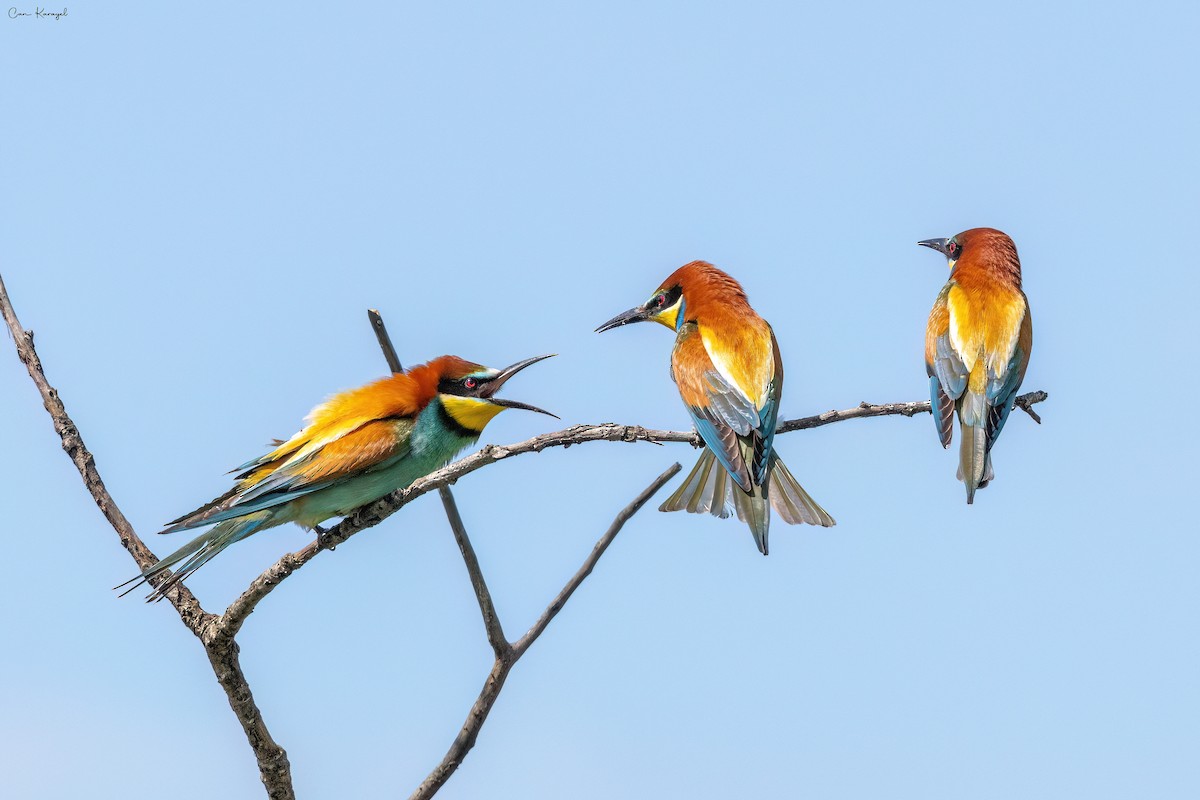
x: 941, y: 245
x: 505, y: 403
x: 503, y: 377
x: 637, y: 314
x: 513, y: 369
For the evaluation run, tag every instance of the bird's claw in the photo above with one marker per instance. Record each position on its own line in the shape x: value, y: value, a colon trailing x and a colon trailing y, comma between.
x: 323, y: 538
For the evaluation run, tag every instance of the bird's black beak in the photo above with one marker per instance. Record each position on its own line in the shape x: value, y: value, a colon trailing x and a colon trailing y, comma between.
x: 941, y: 245
x: 639, y: 314
x: 506, y: 373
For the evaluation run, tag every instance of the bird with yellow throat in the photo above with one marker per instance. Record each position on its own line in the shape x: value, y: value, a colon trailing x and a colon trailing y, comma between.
x: 729, y: 372
x: 358, y: 446
x: 977, y: 345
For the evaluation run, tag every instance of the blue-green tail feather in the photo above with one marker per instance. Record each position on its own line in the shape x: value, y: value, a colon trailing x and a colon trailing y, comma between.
x: 198, y: 552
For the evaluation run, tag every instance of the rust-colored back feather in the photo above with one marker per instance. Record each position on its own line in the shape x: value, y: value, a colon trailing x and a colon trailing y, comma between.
x: 729, y: 372
x: 734, y: 335
x: 398, y: 395
x: 977, y: 347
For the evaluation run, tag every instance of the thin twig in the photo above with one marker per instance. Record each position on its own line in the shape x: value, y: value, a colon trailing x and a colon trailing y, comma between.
x: 887, y: 409
x: 560, y: 600
x: 482, y: 706
x: 273, y: 765
x: 1026, y: 400
x: 491, y: 621
x: 385, y: 341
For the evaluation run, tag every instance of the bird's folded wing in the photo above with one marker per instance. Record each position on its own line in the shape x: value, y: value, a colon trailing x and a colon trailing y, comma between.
x: 764, y: 442
x: 724, y: 416
x: 1002, y: 387
x: 341, y: 415
x: 373, y: 445
x: 944, y: 364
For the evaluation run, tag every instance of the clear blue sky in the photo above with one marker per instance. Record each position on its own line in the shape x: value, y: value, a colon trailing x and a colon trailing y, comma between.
x: 199, y: 203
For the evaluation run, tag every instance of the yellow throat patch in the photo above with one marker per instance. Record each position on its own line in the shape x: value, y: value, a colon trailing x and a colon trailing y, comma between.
x: 472, y: 413
x: 669, y: 316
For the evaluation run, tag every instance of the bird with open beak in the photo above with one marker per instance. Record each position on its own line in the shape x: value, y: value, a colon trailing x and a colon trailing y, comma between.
x: 358, y: 446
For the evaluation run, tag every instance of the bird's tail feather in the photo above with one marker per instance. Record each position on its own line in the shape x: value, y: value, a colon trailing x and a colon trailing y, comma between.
x: 791, y: 502
x: 974, y: 461
x: 754, y: 509
x: 198, y: 552
x: 709, y: 489
x: 704, y: 491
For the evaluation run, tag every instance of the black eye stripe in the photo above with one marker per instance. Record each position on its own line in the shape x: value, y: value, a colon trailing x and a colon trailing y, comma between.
x: 462, y: 387
x: 666, y: 299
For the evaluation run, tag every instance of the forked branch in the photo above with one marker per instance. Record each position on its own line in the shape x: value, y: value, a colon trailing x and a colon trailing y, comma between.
x: 507, y: 655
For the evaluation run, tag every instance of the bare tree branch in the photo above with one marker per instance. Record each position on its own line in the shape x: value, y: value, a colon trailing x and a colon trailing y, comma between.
x: 385, y: 341
x: 1026, y: 400
x: 506, y: 655
x: 193, y: 616
x: 887, y: 409
x: 505, y: 661
x: 560, y: 600
x: 491, y: 621
x: 273, y: 766
x: 376, y: 512
x: 223, y: 655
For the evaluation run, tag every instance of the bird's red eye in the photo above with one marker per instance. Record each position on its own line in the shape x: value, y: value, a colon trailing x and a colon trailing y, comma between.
x: 660, y: 301
x: 470, y: 383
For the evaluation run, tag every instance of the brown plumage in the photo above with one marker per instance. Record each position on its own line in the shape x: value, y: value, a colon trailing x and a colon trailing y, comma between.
x: 977, y: 345
x: 727, y: 367
x: 357, y: 447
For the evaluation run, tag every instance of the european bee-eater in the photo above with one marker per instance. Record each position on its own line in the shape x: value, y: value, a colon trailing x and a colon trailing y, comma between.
x: 358, y: 446
x: 727, y: 367
x: 977, y: 346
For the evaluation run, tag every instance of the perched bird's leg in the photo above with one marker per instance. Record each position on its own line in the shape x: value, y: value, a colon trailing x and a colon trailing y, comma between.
x: 323, y: 538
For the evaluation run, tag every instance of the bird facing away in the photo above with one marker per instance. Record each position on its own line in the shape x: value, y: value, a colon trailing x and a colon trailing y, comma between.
x: 727, y: 367
x: 977, y: 346
x: 358, y: 446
